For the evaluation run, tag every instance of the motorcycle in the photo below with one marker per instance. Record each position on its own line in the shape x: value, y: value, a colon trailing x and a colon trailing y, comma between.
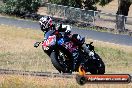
x: 62, y: 52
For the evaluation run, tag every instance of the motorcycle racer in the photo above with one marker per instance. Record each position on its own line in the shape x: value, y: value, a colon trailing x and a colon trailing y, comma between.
x: 49, y: 28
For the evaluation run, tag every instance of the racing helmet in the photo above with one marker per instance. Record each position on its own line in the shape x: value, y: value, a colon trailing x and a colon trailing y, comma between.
x: 45, y: 22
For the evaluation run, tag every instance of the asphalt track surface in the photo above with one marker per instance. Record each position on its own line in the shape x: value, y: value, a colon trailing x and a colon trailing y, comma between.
x: 101, y: 36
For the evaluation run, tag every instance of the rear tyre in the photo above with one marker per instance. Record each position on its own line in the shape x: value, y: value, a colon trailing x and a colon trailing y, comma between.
x: 101, y: 65
x: 98, y: 66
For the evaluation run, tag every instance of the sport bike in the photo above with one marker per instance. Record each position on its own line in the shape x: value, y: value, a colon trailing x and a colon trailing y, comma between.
x: 63, y: 52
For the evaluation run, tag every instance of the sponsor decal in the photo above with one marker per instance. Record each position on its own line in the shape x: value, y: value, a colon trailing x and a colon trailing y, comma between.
x: 83, y: 78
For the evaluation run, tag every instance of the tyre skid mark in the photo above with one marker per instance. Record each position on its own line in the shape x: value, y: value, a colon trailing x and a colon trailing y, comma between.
x: 34, y: 73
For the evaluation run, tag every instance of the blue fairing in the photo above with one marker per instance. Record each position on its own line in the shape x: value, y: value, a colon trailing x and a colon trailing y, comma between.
x: 60, y: 41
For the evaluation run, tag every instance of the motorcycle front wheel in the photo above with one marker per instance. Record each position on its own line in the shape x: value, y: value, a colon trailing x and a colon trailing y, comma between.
x: 61, y: 61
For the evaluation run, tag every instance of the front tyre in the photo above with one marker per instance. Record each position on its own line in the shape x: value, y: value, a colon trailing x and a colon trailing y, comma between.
x: 57, y: 64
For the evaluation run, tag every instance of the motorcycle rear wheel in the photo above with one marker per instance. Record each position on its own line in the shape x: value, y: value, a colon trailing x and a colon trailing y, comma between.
x: 98, y: 67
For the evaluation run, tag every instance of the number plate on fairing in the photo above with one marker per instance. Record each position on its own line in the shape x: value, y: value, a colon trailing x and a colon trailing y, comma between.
x: 50, y: 41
